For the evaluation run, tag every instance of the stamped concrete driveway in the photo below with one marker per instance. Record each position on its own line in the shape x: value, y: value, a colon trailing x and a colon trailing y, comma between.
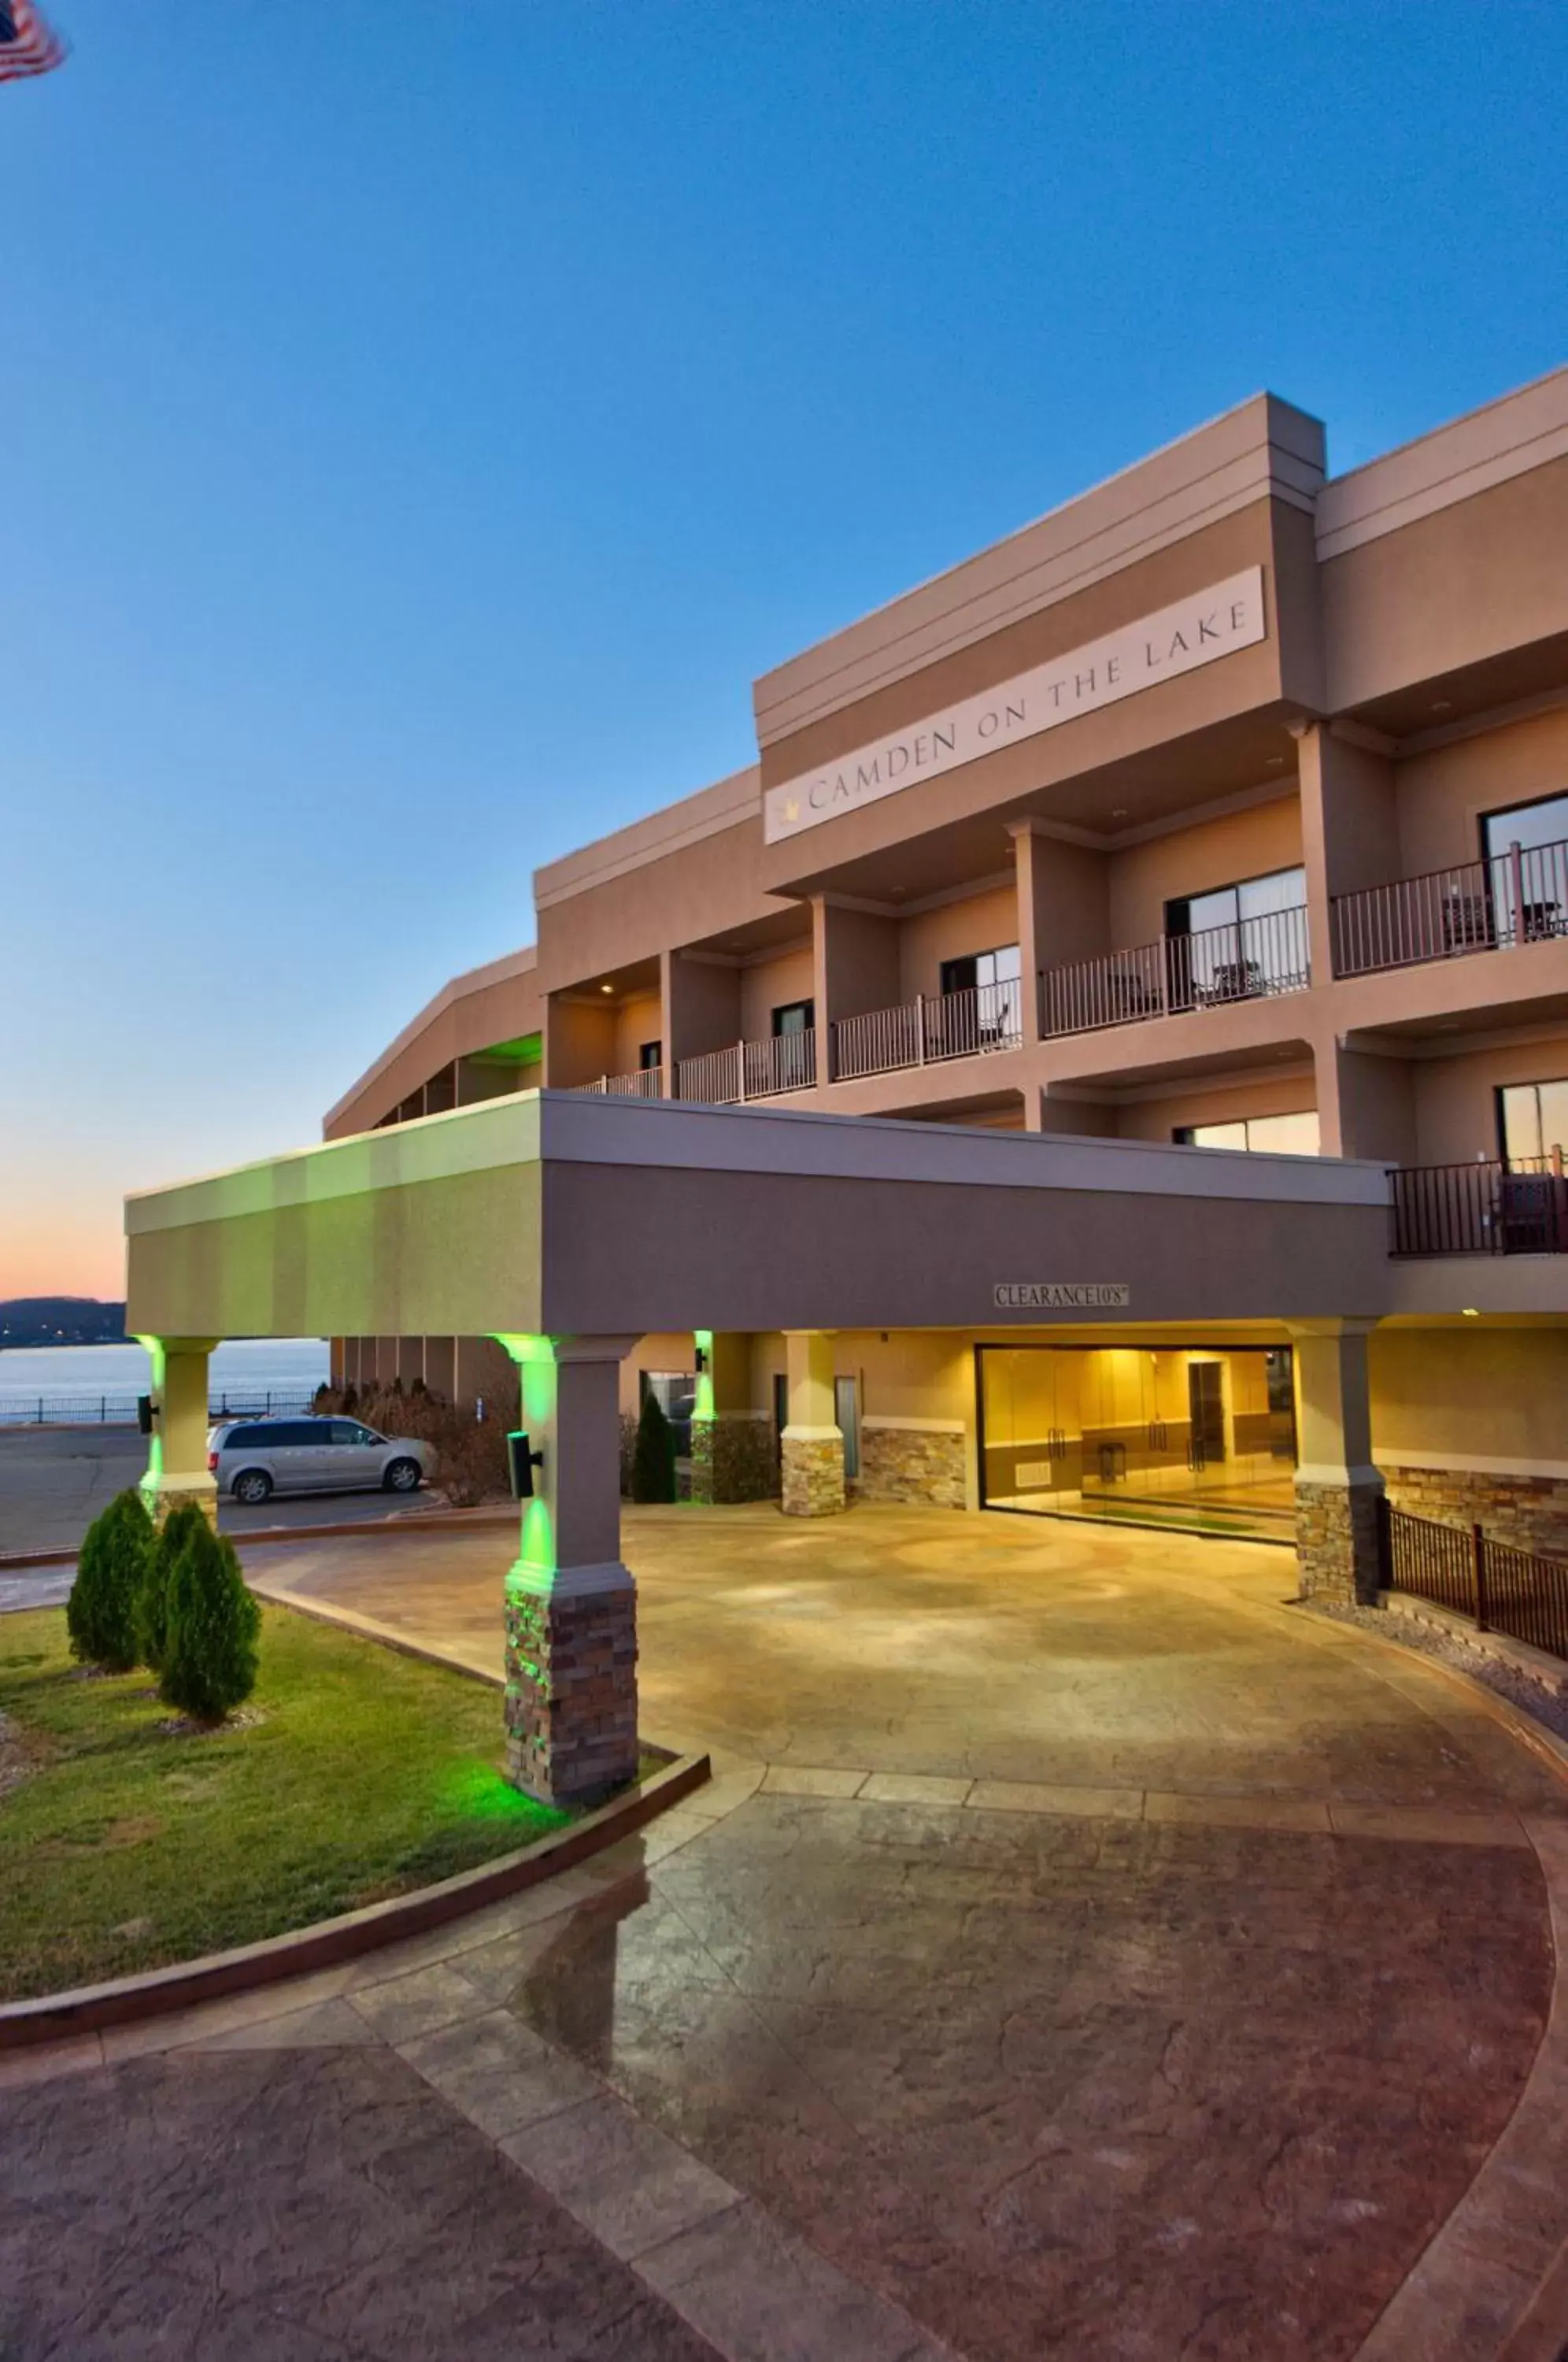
x: 1081, y: 1953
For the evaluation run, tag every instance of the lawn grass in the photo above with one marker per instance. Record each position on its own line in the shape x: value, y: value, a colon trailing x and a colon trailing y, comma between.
x: 368, y: 1773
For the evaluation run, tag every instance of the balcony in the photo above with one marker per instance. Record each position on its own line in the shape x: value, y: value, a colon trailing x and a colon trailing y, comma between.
x: 648, y: 1083
x: 1518, y: 897
x: 750, y: 1070
x: 1250, y: 959
x: 927, y: 1030
x: 1487, y: 1208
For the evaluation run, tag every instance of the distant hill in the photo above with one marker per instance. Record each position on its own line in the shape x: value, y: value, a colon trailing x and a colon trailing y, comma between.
x: 61, y: 1320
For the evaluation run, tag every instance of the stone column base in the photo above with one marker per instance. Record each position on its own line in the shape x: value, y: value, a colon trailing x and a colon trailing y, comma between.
x: 732, y: 1459
x: 571, y: 1682
x: 162, y: 1494
x: 1338, y: 1539
x: 813, y: 1474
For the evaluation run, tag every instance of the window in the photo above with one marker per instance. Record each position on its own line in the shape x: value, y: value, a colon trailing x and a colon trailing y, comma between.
x: 349, y: 1432
x: 1532, y: 1119
x: 675, y: 1391
x: 1238, y: 942
x: 1264, y: 1135
x: 650, y: 1057
x: 995, y: 1016
x: 1002, y: 966
x: 251, y: 1436
x: 1527, y: 861
x: 1542, y: 822
x: 794, y: 1017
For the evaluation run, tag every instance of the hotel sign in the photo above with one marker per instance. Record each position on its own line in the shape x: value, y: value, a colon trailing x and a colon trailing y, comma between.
x: 1061, y: 1295
x: 1196, y: 631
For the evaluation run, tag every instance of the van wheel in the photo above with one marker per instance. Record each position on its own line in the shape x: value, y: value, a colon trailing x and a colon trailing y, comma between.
x: 252, y: 1485
x: 402, y: 1476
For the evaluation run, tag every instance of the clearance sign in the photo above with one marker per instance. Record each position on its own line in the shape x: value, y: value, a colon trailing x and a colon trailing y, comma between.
x: 1196, y: 631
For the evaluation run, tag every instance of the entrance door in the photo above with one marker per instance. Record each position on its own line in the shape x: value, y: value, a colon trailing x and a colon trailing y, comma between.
x: 846, y: 1411
x: 1206, y: 1414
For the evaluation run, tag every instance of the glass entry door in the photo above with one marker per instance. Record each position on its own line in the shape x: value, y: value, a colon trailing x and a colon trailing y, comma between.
x: 1192, y: 1435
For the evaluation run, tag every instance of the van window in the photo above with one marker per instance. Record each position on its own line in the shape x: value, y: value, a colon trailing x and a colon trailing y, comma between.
x: 253, y: 1436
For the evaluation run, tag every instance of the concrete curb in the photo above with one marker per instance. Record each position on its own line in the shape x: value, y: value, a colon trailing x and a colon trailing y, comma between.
x: 125, y: 1999
x: 1500, y: 1647
x: 397, y: 1522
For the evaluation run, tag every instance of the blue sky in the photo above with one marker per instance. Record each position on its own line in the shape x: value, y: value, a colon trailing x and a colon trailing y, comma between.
x: 423, y: 423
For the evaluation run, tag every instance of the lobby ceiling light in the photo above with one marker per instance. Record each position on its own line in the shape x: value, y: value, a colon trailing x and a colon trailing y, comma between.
x: 1470, y: 1313
x: 606, y: 987
x: 1443, y: 705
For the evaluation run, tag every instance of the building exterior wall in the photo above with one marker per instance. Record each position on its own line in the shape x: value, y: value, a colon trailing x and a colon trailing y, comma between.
x: 1413, y: 676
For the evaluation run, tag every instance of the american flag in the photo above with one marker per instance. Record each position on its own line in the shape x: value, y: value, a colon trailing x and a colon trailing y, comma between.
x: 27, y: 44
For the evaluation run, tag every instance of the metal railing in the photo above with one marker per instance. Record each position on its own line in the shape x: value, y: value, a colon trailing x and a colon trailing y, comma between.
x: 648, y: 1083
x: 927, y: 1029
x: 750, y: 1070
x: 1251, y: 959
x: 1517, y: 897
x: 120, y: 1410
x: 1486, y: 1208
x: 1500, y: 1588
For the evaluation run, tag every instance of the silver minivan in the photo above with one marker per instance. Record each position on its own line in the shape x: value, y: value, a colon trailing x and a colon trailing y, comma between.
x: 254, y: 1458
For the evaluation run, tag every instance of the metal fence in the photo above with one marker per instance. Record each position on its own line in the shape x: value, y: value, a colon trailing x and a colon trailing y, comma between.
x: 750, y: 1070
x: 120, y: 1410
x: 1518, y: 897
x: 1501, y: 1589
x: 1251, y: 959
x: 929, y: 1028
x: 646, y: 1082
x: 1484, y: 1208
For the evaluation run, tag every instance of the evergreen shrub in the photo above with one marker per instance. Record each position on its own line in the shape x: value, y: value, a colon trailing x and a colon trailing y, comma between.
x: 209, y: 1658
x: 152, y: 1598
x: 99, y: 1614
x: 653, y: 1456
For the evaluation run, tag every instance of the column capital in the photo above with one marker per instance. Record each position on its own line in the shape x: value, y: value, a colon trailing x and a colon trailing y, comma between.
x: 556, y: 1349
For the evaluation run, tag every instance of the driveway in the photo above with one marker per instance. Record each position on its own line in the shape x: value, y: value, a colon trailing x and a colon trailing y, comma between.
x: 1081, y: 1953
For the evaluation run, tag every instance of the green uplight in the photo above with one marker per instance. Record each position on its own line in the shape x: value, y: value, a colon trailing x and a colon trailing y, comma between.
x: 702, y: 1401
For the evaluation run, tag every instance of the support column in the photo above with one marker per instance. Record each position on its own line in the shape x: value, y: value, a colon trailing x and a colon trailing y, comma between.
x: 812, y: 1444
x: 732, y: 1444
x: 177, y: 1468
x: 571, y: 1613
x: 1339, y: 1493
x: 1063, y: 910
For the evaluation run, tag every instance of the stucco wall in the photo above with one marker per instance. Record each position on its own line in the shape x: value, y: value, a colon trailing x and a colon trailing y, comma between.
x: 1194, y: 860
x: 981, y: 922
x: 1442, y: 793
x: 1469, y: 1398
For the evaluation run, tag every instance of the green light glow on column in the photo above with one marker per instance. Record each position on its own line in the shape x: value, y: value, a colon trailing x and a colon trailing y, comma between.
x: 154, y: 1350
x: 535, y: 1360
x: 703, y: 1403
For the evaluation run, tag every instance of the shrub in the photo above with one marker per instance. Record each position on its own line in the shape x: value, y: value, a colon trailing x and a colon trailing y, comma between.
x: 152, y: 1597
x: 101, y: 1611
x: 653, y: 1456
x: 209, y: 1658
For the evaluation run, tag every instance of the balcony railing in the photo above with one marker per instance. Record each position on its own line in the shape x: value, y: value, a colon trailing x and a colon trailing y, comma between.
x: 1518, y: 897
x: 924, y: 1030
x: 648, y: 1083
x: 1487, y: 1208
x: 1252, y: 959
x: 750, y: 1070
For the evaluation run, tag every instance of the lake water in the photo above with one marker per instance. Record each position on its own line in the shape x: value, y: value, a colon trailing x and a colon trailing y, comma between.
x: 247, y: 1367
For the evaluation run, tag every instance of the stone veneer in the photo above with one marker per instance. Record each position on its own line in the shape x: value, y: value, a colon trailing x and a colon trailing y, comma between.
x: 161, y: 1501
x: 734, y: 1458
x: 1338, y: 1545
x: 1529, y: 1513
x: 910, y: 1464
x: 571, y: 1692
x: 812, y: 1475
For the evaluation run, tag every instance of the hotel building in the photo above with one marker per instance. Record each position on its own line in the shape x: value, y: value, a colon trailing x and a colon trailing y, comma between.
x: 1174, y: 900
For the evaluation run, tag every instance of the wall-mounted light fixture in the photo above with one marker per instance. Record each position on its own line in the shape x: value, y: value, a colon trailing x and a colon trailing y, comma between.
x: 521, y: 1463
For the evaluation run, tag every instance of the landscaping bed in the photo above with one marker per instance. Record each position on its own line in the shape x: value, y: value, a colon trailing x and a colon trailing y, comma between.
x: 130, y: 1840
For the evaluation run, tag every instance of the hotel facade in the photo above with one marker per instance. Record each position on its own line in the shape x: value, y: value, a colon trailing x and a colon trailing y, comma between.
x: 1108, y: 1056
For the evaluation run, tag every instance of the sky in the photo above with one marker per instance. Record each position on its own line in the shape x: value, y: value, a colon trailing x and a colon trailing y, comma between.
x: 422, y: 425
